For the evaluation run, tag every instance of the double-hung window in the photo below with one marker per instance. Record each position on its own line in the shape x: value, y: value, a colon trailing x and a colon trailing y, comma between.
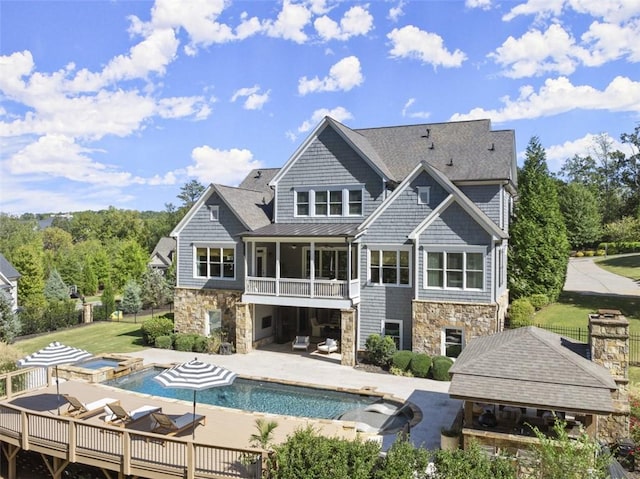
x: 215, y: 262
x: 390, y: 266
x: 454, y: 269
x: 302, y: 203
x: 452, y: 342
x: 336, y: 201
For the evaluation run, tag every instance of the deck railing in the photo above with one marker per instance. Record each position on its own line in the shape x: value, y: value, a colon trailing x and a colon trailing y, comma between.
x: 131, y: 452
x: 22, y: 380
x: 302, y: 288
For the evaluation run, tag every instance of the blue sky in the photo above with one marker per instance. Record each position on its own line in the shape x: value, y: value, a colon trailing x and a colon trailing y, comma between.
x: 120, y: 103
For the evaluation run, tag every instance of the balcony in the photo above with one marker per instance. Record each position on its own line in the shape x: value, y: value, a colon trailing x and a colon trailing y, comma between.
x: 343, y: 293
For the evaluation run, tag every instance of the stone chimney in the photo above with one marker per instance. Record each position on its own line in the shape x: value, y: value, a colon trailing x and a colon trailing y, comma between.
x: 609, y: 344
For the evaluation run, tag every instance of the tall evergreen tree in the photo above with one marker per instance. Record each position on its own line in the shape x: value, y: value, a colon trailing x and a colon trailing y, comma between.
x: 9, y: 323
x: 108, y: 299
x: 28, y: 261
x: 582, y: 218
x: 155, y: 291
x: 131, y: 301
x: 538, y: 248
x: 54, y: 288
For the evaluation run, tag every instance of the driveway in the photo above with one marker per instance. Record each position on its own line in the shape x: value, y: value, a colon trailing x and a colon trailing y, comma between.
x: 584, y: 276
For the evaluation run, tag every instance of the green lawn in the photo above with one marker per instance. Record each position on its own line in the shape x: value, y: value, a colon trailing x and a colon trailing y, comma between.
x: 627, y: 266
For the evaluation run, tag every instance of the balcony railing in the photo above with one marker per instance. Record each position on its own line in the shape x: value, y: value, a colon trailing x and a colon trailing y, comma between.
x: 302, y: 288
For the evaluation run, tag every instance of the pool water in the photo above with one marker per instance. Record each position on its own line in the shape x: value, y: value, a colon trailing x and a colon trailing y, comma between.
x: 97, y: 363
x: 253, y: 395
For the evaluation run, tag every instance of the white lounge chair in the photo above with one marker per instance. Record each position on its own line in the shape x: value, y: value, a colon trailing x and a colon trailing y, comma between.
x: 328, y: 346
x: 79, y: 410
x: 301, y: 342
x: 169, y: 426
x: 116, y: 415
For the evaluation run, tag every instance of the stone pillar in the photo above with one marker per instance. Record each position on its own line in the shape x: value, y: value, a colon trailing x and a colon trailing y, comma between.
x: 87, y: 312
x: 244, y: 329
x: 609, y: 343
x: 348, y: 337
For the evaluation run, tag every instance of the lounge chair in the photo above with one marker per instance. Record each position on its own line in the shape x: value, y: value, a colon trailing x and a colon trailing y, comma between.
x: 164, y: 424
x: 116, y: 415
x: 328, y: 346
x: 77, y: 409
x: 301, y: 342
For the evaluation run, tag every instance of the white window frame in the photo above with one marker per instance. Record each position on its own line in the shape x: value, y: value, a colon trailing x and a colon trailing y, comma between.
x: 444, y: 342
x: 296, y: 203
x: 423, y: 191
x: 454, y: 250
x: 341, y: 192
x: 214, y: 212
x: 207, y: 323
x: 318, y: 265
x: 377, y: 249
x: 213, y: 246
x: 383, y: 330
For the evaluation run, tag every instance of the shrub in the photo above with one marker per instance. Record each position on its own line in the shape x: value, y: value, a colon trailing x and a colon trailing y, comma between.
x: 538, y: 301
x: 401, y: 359
x: 601, y: 252
x: 440, y: 368
x: 185, y: 342
x: 579, y: 254
x: 380, y: 349
x: 521, y: 313
x: 420, y: 365
x: 164, y: 342
x: 589, y: 253
x: 472, y: 463
x: 402, y: 461
x: 154, y: 327
x: 201, y: 344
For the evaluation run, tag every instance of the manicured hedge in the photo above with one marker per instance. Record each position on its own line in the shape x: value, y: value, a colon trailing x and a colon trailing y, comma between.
x: 521, y: 313
x: 420, y: 365
x: 440, y: 368
x: 164, y: 342
x: 401, y: 360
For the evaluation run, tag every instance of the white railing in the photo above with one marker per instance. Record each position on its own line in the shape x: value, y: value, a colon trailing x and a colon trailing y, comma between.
x: 302, y: 288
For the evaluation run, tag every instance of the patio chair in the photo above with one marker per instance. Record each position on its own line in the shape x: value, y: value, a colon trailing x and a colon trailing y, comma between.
x: 77, y: 409
x: 164, y: 424
x: 328, y: 346
x: 116, y: 415
x: 301, y: 342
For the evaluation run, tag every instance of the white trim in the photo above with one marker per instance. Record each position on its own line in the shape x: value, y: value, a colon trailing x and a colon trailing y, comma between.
x: 214, y: 212
x: 222, y: 246
x: 423, y: 190
x: 312, y: 192
x: 445, y: 249
x: 401, y: 328
x: 387, y: 247
x: 443, y: 339
x: 437, y: 211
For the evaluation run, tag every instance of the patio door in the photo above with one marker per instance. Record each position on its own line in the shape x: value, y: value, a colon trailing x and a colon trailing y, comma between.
x: 261, y: 262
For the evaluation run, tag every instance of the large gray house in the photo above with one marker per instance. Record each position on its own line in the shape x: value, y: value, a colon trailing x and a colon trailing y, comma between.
x: 400, y: 231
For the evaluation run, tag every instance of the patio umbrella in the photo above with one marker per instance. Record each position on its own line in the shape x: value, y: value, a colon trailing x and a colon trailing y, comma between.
x: 195, y: 375
x: 53, y: 355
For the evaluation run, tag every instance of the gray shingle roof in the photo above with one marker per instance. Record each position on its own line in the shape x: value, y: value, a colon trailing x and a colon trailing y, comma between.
x: 163, y: 250
x: 259, y: 179
x: 530, y: 366
x: 306, y: 229
x: 253, y: 208
x: 7, y: 269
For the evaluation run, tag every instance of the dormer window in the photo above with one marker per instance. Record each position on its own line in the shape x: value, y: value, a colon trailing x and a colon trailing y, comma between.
x: 214, y: 212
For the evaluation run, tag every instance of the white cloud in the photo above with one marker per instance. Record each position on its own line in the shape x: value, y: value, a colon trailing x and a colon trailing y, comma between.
x: 414, y: 114
x: 356, y: 21
x: 482, y: 4
x: 613, y: 11
x: 558, y: 154
x: 411, y: 42
x: 343, y: 76
x: 290, y: 23
x: 339, y: 113
x: 227, y: 167
x: 396, y: 12
x: 608, y: 41
x: 180, y: 107
x: 254, y: 100
x: 558, y: 96
x: 537, y: 53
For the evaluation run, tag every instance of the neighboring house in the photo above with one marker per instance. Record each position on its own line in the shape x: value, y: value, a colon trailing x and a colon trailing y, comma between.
x: 526, y: 377
x: 400, y: 231
x: 162, y: 255
x: 9, y: 277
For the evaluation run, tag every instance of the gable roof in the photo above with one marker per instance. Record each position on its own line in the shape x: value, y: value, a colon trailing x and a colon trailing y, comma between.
x: 163, y: 251
x: 454, y: 195
x: 258, y: 180
x: 7, y: 269
x: 531, y: 367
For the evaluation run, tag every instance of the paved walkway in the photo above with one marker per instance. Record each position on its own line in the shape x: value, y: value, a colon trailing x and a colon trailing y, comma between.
x: 584, y: 276
x: 279, y: 362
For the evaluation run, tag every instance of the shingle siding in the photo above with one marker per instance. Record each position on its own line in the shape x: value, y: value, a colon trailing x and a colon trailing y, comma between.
x: 487, y: 198
x: 381, y: 303
x: 202, y: 231
x: 328, y: 161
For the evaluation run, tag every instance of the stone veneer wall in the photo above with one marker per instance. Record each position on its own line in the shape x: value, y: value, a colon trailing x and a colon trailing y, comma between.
x: 191, y: 308
x: 430, y: 318
x: 609, y: 342
x: 348, y: 337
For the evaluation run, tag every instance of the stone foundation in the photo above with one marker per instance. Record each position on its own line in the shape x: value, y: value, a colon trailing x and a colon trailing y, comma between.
x: 348, y: 335
x: 430, y: 319
x: 192, y: 306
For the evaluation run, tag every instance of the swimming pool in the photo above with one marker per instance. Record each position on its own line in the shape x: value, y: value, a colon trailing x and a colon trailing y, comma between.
x: 254, y: 395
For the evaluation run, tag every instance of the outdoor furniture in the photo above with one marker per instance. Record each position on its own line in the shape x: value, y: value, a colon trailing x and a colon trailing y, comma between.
x: 77, y: 409
x: 328, y: 346
x: 164, y: 424
x: 116, y: 415
x: 301, y: 342
x: 316, y: 327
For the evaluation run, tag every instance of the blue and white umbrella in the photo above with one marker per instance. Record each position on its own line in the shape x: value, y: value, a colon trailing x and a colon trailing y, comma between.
x: 53, y: 355
x: 196, y: 375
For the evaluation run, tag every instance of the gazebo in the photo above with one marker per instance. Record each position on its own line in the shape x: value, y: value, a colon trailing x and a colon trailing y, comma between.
x: 522, y: 378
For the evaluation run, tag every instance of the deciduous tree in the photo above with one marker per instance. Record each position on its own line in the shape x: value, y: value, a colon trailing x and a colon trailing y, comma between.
x: 582, y: 218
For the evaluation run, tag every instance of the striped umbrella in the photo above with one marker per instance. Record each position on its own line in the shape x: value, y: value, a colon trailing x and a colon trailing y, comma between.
x: 195, y: 375
x: 53, y: 355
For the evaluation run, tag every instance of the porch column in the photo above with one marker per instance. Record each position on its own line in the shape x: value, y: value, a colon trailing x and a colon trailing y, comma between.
x: 244, y: 329
x: 348, y: 337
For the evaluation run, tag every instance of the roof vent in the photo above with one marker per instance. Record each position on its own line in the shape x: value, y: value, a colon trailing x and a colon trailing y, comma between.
x: 426, y: 135
x: 258, y: 174
x: 450, y: 162
x: 431, y: 147
x: 492, y: 147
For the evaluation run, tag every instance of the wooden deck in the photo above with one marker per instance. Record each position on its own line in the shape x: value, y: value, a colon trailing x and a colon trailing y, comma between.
x: 30, y: 421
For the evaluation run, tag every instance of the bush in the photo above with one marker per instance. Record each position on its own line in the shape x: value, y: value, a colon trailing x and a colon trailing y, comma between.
x: 201, y: 344
x: 521, y: 313
x: 440, y: 368
x: 164, y: 342
x: 589, y: 253
x: 420, y: 365
x: 185, y: 342
x: 154, y: 327
x: 538, y: 301
x: 401, y: 359
x: 380, y: 349
x: 579, y: 254
x: 402, y: 461
x: 472, y: 463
